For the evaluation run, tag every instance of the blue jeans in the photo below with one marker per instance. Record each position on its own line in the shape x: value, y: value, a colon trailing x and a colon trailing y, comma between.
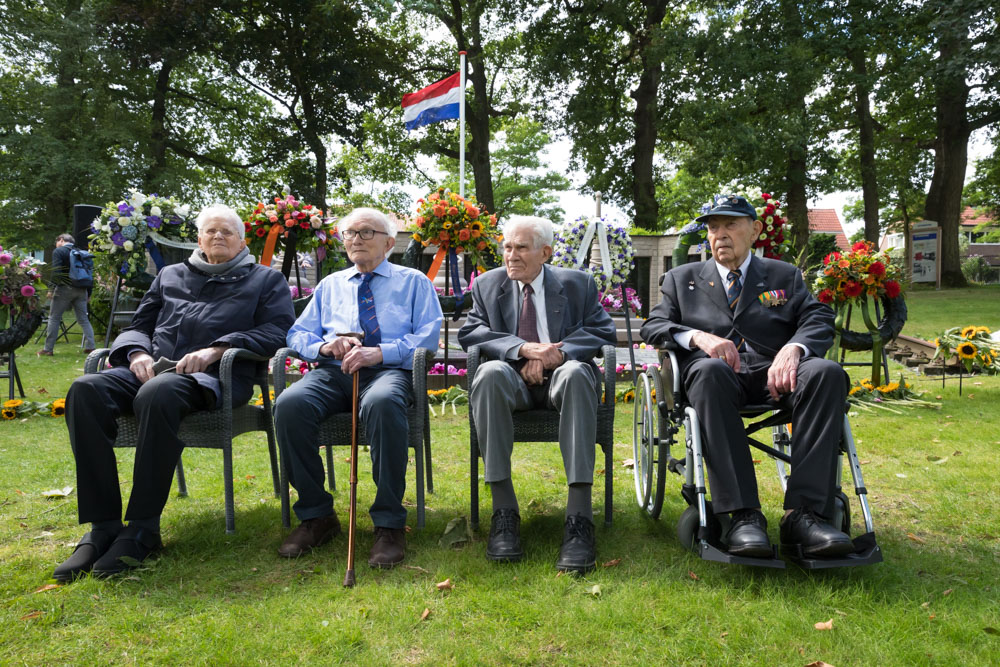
x: 384, y: 395
x: 64, y: 297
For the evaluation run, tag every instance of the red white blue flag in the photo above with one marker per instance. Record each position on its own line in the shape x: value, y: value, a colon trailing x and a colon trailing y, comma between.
x: 437, y: 102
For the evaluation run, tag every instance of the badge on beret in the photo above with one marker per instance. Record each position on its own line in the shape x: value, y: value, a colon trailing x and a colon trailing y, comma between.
x: 773, y: 298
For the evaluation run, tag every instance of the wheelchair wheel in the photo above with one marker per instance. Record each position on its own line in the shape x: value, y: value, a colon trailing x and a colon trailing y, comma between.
x: 649, y: 452
x: 688, y: 524
x: 841, y: 513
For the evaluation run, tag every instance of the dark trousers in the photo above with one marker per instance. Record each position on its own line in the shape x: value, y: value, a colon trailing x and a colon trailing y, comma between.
x: 383, y: 400
x: 93, y: 403
x: 717, y: 393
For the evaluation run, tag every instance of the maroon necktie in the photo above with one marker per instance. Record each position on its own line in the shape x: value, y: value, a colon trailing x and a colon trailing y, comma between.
x: 527, y: 326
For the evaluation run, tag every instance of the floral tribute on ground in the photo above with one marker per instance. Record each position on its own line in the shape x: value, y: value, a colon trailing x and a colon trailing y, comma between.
x: 19, y: 409
x: 123, y: 231
x: 269, y: 226
x: 974, y: 345
x: 848, y: 279
x: 867, y: 395
x: 566, y: 247
x: 21, y: 286
x: 451, y: 222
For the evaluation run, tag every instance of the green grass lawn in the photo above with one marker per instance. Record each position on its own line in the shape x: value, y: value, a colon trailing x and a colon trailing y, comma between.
x: 213, y: 598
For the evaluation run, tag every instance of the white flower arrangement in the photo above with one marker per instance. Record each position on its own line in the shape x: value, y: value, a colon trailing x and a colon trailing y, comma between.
x: 566, y: 245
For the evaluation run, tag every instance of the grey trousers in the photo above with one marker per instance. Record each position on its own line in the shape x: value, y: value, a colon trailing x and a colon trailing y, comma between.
x: 64, y: 297
x: 498, y: 391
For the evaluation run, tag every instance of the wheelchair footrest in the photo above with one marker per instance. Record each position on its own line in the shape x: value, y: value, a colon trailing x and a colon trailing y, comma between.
x: 866, y: 552
x: 708, y: 551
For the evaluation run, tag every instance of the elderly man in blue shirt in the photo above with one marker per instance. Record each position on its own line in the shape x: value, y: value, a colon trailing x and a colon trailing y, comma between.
x: 398, y: 311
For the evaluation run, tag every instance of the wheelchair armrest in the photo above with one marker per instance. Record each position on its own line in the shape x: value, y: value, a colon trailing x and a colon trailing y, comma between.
x: 96, y: 360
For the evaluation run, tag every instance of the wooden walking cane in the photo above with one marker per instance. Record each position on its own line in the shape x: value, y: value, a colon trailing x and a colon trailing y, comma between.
x: 352, y: 516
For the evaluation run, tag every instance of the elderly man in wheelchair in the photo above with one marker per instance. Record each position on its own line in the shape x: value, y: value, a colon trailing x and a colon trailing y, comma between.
x: 744, y: 332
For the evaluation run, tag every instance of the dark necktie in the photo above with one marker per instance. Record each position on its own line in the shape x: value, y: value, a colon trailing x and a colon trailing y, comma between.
x: 733, y: 288
x: 733, y: 296
x: 366, y: 311
x: 527, y: 326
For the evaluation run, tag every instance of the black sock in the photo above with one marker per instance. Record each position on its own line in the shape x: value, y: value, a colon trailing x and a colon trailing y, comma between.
x: 580, y: 501
x: 113, y: 526
x: 503, y: 495
x: 152, y: 525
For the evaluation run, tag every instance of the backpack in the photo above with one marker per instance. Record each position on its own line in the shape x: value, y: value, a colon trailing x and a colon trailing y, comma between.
x: 81, y: 268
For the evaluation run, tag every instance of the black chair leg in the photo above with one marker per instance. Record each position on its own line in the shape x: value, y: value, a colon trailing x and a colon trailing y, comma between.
x: 608, y: 482
x: 182, y: 489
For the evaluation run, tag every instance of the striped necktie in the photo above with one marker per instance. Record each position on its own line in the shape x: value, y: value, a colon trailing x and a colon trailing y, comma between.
x: 366, y: 312
x: 733, y: 289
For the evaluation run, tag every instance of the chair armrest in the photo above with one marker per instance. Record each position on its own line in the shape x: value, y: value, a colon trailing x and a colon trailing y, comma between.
x: 278, y: 368
x: 96, y: 360
x: 610, y: 374
x: 422, y: 361
x: 229, y: 357
x: 475, y: 357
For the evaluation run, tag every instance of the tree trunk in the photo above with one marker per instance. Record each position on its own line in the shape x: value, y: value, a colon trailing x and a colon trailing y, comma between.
x: 158, y: 129
x: 645, y: 117
x: 318, y: 196
x: 944, y: 198
x: 907, y: 245
x: 477, y: 118
x: 866, y: 143
x: 796, y: 171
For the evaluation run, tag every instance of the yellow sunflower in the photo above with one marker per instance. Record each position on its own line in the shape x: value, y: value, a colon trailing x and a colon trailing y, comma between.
x: 9, y: 413
x: 969, y: 331
x: 58, y: 407
x: 14, y: 403
x: 984, y: 330
x: 416, y: 237
x: 966, y: 350
x: 867, y: 384
x: 855, y: 390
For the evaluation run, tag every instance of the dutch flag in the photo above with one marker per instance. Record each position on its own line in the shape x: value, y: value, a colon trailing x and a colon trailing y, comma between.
x: 437, y: 102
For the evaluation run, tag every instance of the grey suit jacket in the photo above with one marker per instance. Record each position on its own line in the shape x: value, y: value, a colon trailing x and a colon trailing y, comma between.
x: 572, y: 308
x: 694, y: 297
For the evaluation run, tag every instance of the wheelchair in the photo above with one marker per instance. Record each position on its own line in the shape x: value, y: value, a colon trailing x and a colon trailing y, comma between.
x: 658, y: 418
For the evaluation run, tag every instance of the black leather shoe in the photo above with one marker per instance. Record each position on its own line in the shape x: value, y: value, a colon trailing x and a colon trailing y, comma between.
x: 504, y: 544
x: 389, y: 548
x: 805, y: 534
x: 128, y: 551
x: 747, y: 535
x: 578, y: 553
x: 91, y: 547
x: 310, y: 534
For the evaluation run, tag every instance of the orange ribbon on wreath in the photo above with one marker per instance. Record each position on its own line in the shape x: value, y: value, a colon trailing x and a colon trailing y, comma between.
x: 272, y: 240
x: 436, y: 263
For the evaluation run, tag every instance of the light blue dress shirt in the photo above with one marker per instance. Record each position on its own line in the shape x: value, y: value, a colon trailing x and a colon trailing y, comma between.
x: 406, y: 305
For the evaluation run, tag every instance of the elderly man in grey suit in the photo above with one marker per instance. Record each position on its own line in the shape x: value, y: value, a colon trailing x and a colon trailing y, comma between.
x: 750, y: 331
x: 541, y: 326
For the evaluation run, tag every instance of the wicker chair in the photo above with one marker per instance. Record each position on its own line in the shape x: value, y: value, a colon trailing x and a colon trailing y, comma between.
x: 213, y: 429
x: 542, y: 425
x: 335, y: 430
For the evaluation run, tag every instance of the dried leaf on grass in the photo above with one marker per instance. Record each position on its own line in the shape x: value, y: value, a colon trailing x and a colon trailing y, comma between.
x: 595, y: 590
x: 46, y: 587
x: 58, y: 493
x: 947, y: 592
x: 612, y: 563
x: 456, y: 533
x: 31, y: 615
x: 427, y: 612
x: 628, y: 463
x: 916, y: 538
x: 819, y: 663
x: 824, y: 625
x: 991, y: 631
x: 445, y: 585
x: 693, y: 575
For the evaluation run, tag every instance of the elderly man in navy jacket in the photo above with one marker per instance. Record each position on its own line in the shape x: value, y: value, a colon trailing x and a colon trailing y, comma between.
x: 164, y: 366
x: 750, y: 331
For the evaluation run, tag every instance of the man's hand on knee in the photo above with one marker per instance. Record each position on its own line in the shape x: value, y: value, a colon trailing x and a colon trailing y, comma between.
x: 532, y: 372
x: 199, y: 360
x: 141, y: 365
x: 782, y: 374
x: 717, y: 348
x: 548, y: 353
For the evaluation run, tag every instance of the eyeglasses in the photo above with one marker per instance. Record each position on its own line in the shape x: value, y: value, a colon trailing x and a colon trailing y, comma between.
x: 365, y: 234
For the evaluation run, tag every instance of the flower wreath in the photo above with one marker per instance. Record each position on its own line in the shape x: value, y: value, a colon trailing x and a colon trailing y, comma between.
x: 449, y: 221
x: 20, y: 284
x: 121, y: 233
x: 566, y: 245
x: 268, y: 226
x: 771, y: 240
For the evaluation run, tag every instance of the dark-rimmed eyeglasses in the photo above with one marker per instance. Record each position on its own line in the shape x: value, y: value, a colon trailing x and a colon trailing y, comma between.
x: 365, y: 234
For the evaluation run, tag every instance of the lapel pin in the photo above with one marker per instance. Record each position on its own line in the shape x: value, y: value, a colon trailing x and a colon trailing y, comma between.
x: 711, y: 283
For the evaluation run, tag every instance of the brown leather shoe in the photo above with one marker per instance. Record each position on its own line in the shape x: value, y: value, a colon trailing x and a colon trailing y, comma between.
x: 44, y: 353
x: 389, y: 547
x: 310, y: 534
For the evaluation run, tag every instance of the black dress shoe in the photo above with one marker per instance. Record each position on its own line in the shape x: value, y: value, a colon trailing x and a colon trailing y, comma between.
x: 389, y: 548
x: 805, y: 534
x: 747, y: 535
x: 504, y: 544
x: 91, y: 547
x: 128, y: 551
x: 578, y: 553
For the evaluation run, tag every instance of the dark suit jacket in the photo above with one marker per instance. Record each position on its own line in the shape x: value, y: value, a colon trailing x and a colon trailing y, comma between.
x: 572, y: 308
x: 694, y: 297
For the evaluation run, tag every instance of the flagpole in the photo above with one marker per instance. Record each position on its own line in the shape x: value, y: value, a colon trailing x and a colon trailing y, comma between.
x: 461, y: 126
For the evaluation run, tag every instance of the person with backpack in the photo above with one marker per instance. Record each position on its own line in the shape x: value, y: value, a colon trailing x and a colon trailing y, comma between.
x: 71, y: 281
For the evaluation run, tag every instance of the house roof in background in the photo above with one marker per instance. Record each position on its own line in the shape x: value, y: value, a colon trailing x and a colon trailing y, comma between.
x: 970, y: 218
x: 826, y: 221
